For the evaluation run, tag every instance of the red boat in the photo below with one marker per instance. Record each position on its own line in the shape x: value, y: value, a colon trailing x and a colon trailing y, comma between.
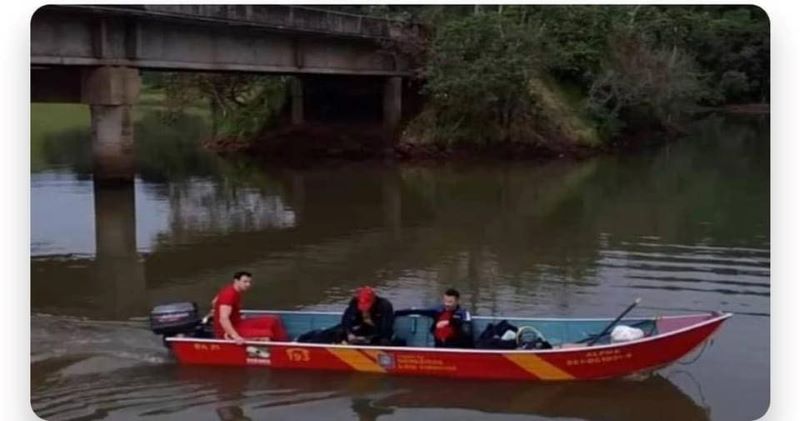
x: 666, y: 339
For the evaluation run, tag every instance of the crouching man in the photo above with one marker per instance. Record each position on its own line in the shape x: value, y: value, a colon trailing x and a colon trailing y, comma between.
x: 228, y: 320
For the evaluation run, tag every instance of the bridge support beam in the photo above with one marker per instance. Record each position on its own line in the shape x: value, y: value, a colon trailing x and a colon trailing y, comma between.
x: 296, y: 91
x: 110, y: 93
x: 392, y: 110
x: 392, y: 102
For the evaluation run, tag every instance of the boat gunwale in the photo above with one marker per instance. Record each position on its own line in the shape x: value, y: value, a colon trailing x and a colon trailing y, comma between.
x: 531, y: 319
x: 714, y: 319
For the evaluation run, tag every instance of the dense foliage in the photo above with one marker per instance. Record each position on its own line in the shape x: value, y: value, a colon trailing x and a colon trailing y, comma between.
x: 587, y: 73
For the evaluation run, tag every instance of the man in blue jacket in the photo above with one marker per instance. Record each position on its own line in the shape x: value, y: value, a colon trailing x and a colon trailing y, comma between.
x: 452, y: 325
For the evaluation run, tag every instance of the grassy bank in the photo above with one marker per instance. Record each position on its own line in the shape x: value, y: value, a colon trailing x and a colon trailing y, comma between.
x: 47, y: 119
x: 73, y: 121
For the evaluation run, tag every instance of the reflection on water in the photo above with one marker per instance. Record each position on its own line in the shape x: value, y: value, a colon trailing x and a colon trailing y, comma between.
x: 118, y: 267
x: 684, y: 226
x: 165, y: 391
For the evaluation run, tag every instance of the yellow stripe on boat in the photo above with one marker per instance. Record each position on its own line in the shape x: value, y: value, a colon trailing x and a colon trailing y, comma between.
x: 537, y: 366
x: 354, y: 358
x: 372, y: 353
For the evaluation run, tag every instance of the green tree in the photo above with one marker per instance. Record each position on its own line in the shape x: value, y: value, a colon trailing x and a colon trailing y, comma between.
x: 241, y: 104
x: 477, y: 73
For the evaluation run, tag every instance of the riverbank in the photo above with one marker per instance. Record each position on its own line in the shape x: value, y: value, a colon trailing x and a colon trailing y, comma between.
x: 368, y: 142
x: 364, y: 142
x: 747, y: 108
x: 564, y: 137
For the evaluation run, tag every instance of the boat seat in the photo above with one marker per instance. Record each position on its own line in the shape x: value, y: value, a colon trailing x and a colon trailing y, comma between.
x: 415, y: 330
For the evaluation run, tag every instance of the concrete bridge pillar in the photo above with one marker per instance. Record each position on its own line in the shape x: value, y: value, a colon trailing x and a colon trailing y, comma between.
x: 392, y: 111
x: 392, y: 102
x: 296, y: 98
x: 110, y: 93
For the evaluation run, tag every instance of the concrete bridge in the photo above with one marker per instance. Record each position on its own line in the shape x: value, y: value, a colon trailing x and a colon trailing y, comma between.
x: 94, y: 54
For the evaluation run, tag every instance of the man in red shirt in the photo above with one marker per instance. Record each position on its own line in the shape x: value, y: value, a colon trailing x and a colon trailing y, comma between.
x: 228, y: 321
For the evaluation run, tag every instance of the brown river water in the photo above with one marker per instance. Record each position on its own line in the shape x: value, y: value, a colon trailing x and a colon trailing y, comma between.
x: 684, y: 226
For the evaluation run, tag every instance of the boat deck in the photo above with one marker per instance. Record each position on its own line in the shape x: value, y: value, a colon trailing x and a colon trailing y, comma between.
x: 415, y: 330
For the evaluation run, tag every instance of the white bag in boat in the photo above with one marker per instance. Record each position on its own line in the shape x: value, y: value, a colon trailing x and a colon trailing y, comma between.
x: 623, y: 333
x: 510, y: 335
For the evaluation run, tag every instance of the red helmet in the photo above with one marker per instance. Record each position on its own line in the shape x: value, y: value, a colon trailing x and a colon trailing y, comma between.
x: 366, y: 297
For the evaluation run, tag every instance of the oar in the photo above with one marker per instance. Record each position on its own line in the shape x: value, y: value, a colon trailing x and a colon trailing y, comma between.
x: 611, y: 325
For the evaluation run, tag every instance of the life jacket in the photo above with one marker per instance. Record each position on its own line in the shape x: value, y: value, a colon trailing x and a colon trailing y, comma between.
x: 460, y: 323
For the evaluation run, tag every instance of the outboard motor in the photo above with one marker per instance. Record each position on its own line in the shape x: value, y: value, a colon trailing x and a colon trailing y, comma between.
x: 176, y: 319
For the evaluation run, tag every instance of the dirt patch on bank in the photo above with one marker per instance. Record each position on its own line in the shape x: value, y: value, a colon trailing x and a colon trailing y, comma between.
x: 366, y: 142
x: 747, y: 108
x: 309, y: 141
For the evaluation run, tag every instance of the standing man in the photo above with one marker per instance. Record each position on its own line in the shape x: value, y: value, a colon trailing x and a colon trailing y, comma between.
x: 452, y: 325
x: 228, y: 321
x: 368, y: 319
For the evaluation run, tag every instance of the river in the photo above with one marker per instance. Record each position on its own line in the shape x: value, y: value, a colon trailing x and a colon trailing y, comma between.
x: 684, y: 226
